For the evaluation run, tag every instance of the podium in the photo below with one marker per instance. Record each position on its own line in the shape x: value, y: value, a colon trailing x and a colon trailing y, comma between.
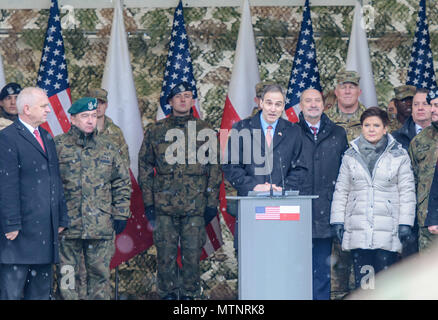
x: 274, y: 247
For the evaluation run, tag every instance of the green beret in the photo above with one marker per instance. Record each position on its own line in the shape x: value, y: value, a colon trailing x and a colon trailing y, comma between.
x: 82, y: 105
x: 98, y: 93
x: 347, y: 76
x: 405, y: 91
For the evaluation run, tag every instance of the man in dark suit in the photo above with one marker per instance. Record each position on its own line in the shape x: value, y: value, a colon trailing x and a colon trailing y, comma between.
x: 324, y: 143
x: 264, y: 150
x: 420, y: 119
x: 32, y: 205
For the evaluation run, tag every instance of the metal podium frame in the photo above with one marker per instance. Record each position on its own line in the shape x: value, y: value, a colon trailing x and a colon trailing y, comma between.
x: 274, y: 257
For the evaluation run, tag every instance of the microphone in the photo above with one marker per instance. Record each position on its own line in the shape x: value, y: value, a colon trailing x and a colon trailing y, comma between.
x: 271, y: 190
x: 283, y: 191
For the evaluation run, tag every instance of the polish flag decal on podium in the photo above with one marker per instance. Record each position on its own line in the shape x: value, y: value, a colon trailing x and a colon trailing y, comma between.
x: 282, y: 213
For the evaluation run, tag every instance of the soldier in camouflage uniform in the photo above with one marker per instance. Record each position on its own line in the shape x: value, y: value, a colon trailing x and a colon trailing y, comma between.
x: 346, y: 113
x: 347, y: 110
x: 403, y: 103
x: 8, y: 99
x: 105, y: 126
x: 97, y: 189
x: 181, y: 197
x: 423, y: 151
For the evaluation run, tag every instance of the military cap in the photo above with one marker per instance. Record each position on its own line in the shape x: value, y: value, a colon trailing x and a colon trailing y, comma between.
x: 260, y: 86
x: 83, y: 104
x: 347, y: 76
x: 405, y: 91
x: 432, y: 95
x: 98, y: 93
x: 10, y: 89
x: 180, y: 87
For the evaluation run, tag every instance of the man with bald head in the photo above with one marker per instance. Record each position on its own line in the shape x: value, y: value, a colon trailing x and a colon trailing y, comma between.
x: 32, y: 205
x: 324, y: 143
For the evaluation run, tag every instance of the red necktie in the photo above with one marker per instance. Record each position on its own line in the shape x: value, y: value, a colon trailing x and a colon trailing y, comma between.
x: 38, y: 137
x: 269, y: 136
x: 315, y: 130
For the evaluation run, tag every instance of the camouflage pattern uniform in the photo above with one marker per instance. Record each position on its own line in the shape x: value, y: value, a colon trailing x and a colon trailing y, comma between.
x: 400, y: 93
x: 394, y: 125
x: 115, y: 135
x: 342, y: 279
x: 350, y: 122
x: 97, y: 189
x: 4, y: 123
x: 180, y: 193
x: 423, y: 152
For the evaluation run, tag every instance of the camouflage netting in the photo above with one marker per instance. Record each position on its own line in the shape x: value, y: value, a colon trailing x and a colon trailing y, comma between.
x: 213, y: 34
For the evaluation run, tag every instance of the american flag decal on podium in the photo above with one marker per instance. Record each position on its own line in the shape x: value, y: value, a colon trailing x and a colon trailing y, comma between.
x: 282, y: 213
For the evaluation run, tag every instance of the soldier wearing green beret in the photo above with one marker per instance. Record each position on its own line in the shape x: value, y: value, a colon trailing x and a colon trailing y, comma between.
x: 346, y: 113
x: 180, y: 197
x: 105, y: 125
x: 97, y: 189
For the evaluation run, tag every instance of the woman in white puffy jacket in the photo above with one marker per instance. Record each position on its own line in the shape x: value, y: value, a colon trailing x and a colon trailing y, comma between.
x: 373, y: 206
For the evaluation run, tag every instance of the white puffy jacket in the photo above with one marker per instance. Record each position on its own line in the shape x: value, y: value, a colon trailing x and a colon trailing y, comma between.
x: 372, y: 207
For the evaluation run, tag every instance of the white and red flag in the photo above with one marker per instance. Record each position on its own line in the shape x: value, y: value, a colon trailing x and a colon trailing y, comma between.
x: 123, y: 110
x: 239, y: 102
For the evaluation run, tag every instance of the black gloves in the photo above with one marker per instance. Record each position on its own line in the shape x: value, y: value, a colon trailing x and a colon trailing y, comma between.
x: 120, y: 225
x: 338, y: 230
x: 209, y: 214
x: 150, y: 215
x: 404, y: 233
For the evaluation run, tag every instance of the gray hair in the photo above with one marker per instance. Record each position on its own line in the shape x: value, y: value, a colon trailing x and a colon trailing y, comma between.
x: 28, y: 96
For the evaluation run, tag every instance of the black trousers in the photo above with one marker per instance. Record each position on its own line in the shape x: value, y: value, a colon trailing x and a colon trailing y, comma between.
x: 24, y: 281
x: 367, y: 263
x: 321, y: 251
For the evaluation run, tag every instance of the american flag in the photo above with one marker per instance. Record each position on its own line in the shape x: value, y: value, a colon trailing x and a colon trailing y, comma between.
x: 282, y: 213
x: 52, y: 75
x: 304, y: 74
x: 421, y: 72
x: 178, y: 69
x: 178, y: 66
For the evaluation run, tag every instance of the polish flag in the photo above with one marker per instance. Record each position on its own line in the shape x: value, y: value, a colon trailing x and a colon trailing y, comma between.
x: 239, y: 103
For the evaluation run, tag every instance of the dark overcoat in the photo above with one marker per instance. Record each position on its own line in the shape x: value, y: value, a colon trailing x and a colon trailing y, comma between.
x: 323, y: 158
x: 31, y: 197
x: 248, y: 154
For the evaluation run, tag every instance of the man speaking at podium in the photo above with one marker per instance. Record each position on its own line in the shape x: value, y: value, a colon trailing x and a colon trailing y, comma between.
x: 263, y: 151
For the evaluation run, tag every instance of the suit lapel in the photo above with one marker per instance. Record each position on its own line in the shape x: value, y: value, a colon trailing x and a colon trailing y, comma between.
x: 25, y: 133
x: 278, y: 134
x: 258, y: 136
